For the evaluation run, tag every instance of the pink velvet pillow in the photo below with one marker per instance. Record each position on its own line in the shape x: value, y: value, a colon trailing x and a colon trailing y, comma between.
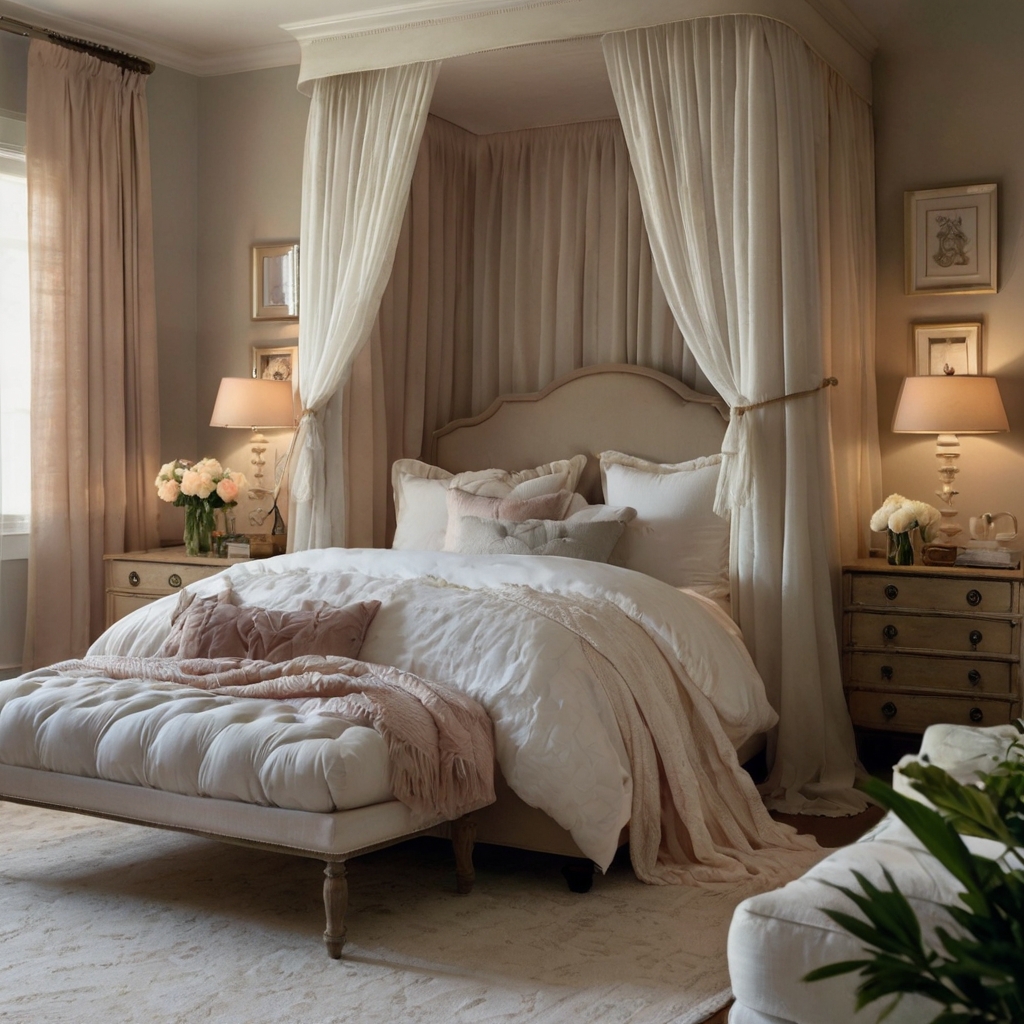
x: 511, y: 509
x: 215, y: 627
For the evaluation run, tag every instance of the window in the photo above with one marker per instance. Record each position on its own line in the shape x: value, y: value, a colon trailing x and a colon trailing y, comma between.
x: 15, y: 458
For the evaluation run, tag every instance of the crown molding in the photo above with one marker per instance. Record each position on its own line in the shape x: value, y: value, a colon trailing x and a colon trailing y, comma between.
x: 848, y: 25
x: 255, y: 58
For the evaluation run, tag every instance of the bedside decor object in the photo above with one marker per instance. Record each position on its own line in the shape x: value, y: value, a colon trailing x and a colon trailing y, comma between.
x: 900, y: 517
x: 200, y: 488
x: 949, y: 405
x: 950, y: 240
x: 945, y: 349
x: 250, y: 404
x: 281, y: 363
x: 275, y: 281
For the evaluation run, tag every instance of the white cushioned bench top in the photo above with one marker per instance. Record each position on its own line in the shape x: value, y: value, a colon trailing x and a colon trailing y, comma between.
x: 185, y: 741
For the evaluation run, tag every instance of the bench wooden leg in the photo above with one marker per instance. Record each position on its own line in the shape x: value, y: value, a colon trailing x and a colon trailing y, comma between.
x: 335, y: 904
x: 463, y: 839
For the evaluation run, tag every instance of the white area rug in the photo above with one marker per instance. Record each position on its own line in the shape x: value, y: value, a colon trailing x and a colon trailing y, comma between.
x: 117, y: 923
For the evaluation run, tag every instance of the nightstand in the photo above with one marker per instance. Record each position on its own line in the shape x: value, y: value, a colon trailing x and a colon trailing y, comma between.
x: 923, y: 645
x: 136, y: 578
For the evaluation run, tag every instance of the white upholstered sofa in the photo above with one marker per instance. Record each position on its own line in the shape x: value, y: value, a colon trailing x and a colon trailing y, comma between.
x: 777, y: 937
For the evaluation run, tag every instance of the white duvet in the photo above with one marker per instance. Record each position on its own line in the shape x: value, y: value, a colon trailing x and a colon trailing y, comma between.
x: 445, y: 617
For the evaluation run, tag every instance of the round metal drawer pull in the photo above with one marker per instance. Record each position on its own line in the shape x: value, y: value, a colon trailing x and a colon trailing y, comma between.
x: 887, y: 671
x: 974, y: 677
x: 975, y: 637
x: 892, y: 592
x: 890, y: 632
x: 888, y: 710
x: 976, y: 715
x: 973, y: 597
x: 134, y: 578
x: 174, y: 580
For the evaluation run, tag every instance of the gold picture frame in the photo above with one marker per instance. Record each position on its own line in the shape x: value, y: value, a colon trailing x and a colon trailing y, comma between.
x: 950, y: 240
x: 280, y: 363
x: 275, y: 281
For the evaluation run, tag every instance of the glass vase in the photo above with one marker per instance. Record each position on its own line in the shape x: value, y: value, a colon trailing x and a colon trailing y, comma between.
x: 900, y: 548
x: 199, y: 523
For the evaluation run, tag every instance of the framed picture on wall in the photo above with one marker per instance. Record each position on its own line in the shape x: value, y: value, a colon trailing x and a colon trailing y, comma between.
x: 950, y: 240
x: 947, y: 349
x: 280, y: 363
x: 275, y: 281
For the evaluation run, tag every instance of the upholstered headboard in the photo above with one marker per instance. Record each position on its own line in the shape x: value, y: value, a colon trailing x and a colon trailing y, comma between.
x: 612, y: 406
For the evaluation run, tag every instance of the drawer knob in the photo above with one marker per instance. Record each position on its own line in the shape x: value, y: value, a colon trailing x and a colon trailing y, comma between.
x: 973, y: 598
x: 892, y: 592
x: 974, y: 677
x: 134, y: 578
x: 887, y: 671
x: 890, y: 632
x: 976, y: 715
x: 174, y: 580
x: 975, y: 638
x: 888, y: 710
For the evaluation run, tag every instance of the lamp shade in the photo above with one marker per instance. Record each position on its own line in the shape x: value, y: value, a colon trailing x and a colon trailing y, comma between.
x: 251, y: 403
x: 949, y: 405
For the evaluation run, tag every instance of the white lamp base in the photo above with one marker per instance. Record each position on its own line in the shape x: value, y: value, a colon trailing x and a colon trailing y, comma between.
x: 947, y: 451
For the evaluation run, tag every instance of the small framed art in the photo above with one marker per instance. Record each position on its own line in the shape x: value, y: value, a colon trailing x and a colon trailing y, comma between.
x: 950, y: 240
x: 275, y: 281
x: 275, y: 363
x: 947, y: 349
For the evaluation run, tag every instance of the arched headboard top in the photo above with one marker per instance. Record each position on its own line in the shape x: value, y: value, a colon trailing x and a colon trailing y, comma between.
x: 612, y: 406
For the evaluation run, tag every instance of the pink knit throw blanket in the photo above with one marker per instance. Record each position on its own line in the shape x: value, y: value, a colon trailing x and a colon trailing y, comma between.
x: 440, y: 742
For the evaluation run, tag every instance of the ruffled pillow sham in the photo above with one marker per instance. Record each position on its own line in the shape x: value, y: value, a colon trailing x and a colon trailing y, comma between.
x: 592, y: 541
x: 421, y: 493
x: 215, y: 627
x: 514, y: 507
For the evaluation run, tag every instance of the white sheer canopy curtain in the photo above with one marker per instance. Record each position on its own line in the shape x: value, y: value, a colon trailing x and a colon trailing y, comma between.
x: 362, y: 139
x: 728, y: 125
x: 95, y: 430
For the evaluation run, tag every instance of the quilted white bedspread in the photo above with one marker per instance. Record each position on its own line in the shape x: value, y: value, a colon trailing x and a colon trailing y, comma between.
x: 556, y: 736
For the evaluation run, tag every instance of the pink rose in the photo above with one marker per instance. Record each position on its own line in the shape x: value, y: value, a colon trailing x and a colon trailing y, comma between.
x: 168, y: 490
x: 227, y: 490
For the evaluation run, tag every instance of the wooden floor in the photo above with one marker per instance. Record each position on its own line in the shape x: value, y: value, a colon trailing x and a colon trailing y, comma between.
x: 830, y: 833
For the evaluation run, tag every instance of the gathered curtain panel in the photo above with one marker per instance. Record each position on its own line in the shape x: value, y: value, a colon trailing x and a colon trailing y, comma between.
x: 95, y: 428
x: 362, y: 139
x: 523, y: 255
x: 757, y: 203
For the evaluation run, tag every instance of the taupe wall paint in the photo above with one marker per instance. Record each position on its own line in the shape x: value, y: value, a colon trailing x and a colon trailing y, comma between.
x: 252, y: 129
x: 949, y: 109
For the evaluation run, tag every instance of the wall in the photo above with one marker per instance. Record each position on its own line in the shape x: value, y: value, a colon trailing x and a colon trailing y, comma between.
x: 252, y: 129
x: 949, y: 109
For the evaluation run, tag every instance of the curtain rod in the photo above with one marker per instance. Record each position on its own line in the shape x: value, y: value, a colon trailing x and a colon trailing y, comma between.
x: 123, y: 60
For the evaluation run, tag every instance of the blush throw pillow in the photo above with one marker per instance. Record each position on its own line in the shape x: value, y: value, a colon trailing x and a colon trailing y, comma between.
x: 215, y: 627
x: 676, y: 536
x: 591, y: 540
x: 513, y: 508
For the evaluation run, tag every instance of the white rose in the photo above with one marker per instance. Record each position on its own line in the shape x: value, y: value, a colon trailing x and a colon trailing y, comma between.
x: 880, y: 520
x: 190, y: 482
x: 902, y: 519
x: 239, y: 480
x: 205, y: 485
x: 211, y: 466
x: 168, y: 490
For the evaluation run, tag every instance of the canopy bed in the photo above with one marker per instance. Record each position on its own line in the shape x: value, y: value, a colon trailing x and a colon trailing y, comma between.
x: 604, y: 686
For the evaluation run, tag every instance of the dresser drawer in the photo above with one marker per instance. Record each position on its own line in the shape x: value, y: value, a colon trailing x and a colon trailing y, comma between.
x: 136, y: 576
x: 902, y: 712
x: 931, y: 633
x: 916, y: 672
x: 932, y: 594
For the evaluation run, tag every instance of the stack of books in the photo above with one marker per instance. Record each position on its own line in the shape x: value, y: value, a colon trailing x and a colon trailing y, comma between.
x: 989, y: 558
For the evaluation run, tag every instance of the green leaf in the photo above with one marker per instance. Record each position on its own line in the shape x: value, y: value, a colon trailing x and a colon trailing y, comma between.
x: 832, y: 970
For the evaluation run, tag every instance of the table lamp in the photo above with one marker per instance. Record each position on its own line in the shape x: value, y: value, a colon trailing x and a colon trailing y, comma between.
x: 948, y: 405
x: 255, y: 405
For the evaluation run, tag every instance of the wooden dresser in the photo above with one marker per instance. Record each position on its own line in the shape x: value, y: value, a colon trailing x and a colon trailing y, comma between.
x: 924, y: 645
x: 136, y: 578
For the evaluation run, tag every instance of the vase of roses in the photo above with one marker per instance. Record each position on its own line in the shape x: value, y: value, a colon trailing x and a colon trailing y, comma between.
x: 900, y: 517
x: 200, y: 488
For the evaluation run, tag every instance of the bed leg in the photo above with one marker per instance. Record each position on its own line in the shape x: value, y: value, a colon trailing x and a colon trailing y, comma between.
x: 463, y: 838
x: 335, y: 904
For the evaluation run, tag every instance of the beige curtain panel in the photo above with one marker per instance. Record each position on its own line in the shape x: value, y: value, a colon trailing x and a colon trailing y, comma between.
x: 734, y: 126
x: 95, y: 409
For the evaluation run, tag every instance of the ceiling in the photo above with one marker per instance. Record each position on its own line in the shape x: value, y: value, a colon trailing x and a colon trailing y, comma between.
x: 549, y: 83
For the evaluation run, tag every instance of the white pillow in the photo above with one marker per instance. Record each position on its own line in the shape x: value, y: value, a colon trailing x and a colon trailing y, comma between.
x: 676, y: 536
x: 421, y: 492
x: 591, y: 540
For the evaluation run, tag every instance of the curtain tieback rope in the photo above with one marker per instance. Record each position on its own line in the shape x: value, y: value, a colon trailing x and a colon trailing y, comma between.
x: 827, y: 382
